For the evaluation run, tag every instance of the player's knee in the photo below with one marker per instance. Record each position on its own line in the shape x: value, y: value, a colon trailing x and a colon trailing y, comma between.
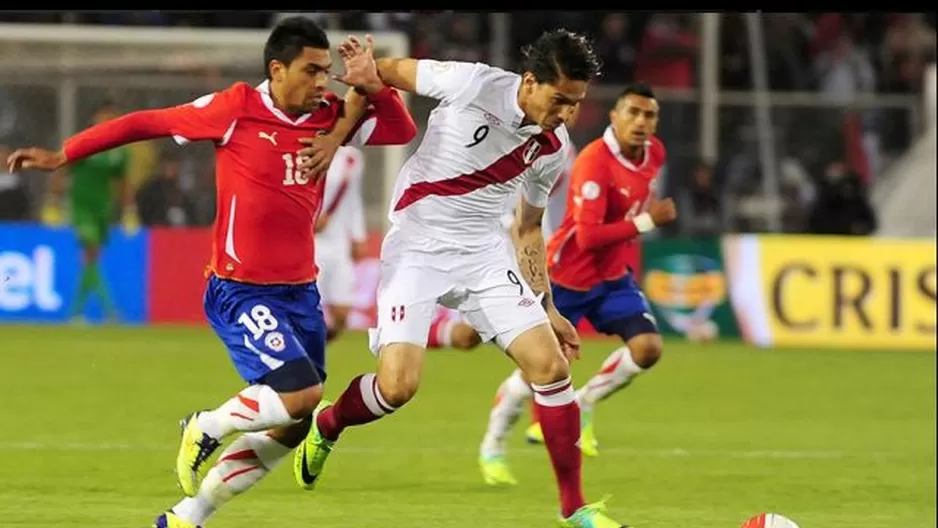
x: 299, y: 384
x: 646, y: 349
x: 339, y: 316
x: 398, y: 389
x: 549, y: 368
x: 399, y: 373
x: 465, y: 337
x: 302, y: 403
x: 292, y: 435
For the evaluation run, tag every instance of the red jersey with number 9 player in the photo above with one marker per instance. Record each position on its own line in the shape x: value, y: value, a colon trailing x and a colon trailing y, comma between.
x: 605, y: 189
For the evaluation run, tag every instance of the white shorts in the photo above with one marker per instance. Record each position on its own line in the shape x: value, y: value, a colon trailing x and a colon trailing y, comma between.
x: 336, y: 280
x: 485, y: 286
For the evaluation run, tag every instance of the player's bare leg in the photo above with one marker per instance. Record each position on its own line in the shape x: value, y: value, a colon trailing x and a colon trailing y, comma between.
x: 248, y: 459
x: 337, y: 322
x: 449, y: 332
x: 256, y: 408
x: 639, y: 354
x: 368, y: 398
x: 538, y: 354
x: 509, y: 403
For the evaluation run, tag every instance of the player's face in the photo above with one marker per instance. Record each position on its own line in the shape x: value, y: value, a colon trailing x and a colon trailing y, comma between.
x: 303, y: 82
x: 552, y: 104
x: 635, y: 119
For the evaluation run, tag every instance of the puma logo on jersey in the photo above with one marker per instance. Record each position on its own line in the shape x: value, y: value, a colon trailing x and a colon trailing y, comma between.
x: 530, y: 152
x: 625, y: 191
x: 272, y: 137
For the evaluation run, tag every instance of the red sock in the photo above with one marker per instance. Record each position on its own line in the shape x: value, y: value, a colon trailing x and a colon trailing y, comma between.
x: 361, y: 403
x: 440, y: 329
x: 559, y: 415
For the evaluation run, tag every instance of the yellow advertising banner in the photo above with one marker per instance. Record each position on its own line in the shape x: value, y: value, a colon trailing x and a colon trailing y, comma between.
x: 850, y: 292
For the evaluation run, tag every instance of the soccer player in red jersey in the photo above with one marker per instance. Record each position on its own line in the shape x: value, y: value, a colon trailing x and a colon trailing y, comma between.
x: 610, y: 204
x: 262, y: 299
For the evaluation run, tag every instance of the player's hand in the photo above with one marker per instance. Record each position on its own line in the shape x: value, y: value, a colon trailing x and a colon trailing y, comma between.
x: 37, y: 159
x: 566, y: 333
x: 359, y: 251
x: 359, y: 61
x: 321, y: 223
x: 318, y: 155
x: 662, y: 212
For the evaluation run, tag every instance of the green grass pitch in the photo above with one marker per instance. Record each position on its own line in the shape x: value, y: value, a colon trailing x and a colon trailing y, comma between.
x: 717, y: 433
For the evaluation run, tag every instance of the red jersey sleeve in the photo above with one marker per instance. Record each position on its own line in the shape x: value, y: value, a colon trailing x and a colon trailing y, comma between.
x: 590, y: 185
x: 207, y: 118
x: 387, y: 121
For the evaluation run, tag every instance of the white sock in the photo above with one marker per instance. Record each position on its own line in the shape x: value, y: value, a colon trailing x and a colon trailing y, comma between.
x: 509, y: 402
x: 256, y: 408
x: 444, y: 332
x: 616, y: 373
x: 246, y: 461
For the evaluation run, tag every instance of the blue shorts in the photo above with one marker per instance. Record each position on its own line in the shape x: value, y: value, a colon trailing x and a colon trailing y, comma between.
x: 614, y: 307
x: 267, y: 326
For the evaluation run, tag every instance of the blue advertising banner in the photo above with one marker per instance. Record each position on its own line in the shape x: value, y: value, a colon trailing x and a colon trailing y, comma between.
x: 40, y: 270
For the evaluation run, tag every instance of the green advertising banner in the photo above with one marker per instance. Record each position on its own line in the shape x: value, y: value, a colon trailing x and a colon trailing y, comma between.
x: 686, y: 286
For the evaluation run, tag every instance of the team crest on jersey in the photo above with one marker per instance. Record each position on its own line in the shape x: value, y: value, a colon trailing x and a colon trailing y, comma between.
x: 275, y: 341
x: 531, y: 152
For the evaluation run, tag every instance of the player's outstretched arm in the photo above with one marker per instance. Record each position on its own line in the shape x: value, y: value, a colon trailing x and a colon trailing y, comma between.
x: 207, y: 118
x: 399, y: 72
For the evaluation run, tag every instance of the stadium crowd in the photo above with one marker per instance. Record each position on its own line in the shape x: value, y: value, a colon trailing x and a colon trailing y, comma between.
x: 825, y: 156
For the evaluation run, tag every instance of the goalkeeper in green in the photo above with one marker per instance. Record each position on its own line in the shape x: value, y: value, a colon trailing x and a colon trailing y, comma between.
x: 92, y: 202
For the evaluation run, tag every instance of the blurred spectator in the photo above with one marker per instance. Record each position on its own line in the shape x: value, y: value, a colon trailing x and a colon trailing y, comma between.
x: 908, y: 46
x: 842, y: 206
x: 843, y: 71
x: 786, y: 44
x: 14, y: 202
x: 734, y: 53
x: 464, y: 40
x: 161, y: 200
x: 698, y: 206
x: 615, y: 49
x: 668, y: 53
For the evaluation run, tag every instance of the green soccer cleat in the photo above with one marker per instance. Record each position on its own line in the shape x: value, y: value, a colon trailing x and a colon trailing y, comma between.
x: 591, y: 516
x: 589, y: 446
x: 194, y: 452
x: 495, y: 471
x: 311, y: 455
x: 534, y: 434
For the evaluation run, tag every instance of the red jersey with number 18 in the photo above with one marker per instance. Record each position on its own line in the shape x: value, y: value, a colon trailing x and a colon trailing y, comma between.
x: 607, y: 191
x: 263, y: 231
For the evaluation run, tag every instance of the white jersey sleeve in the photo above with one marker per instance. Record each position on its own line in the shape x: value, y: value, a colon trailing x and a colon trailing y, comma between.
x: 451, y: 82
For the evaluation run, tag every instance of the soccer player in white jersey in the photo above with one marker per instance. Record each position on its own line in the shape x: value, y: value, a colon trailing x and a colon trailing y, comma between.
x: 340, y: 236
x: 449, y: 329
x: 492, y: 133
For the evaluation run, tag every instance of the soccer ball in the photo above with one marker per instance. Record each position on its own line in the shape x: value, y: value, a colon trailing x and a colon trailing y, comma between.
x: 769, y: 520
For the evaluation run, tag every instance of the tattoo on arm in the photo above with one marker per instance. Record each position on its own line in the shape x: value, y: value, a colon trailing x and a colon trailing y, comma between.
x: 532, y: 259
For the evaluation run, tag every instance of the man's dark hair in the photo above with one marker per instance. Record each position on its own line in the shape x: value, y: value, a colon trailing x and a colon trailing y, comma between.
x: 639, y: 89
x: 561, y: 52
x: 289, y: 37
